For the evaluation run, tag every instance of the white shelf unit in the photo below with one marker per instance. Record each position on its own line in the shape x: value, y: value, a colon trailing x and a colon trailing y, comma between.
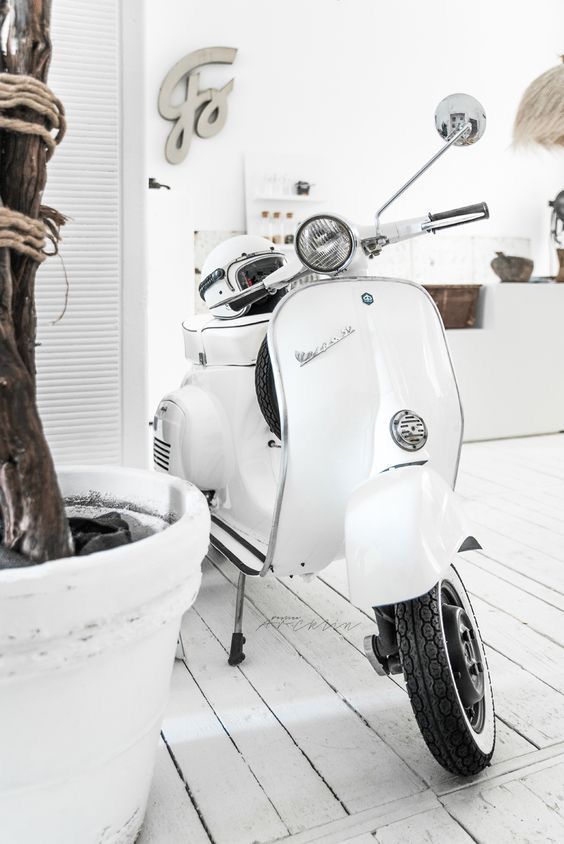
x: 259, y: 166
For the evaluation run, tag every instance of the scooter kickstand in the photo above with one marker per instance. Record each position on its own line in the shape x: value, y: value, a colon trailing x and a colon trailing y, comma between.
x: 236, y: 654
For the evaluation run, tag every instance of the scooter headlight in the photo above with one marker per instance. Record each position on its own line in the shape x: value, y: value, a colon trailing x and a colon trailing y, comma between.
x: 325, y: 244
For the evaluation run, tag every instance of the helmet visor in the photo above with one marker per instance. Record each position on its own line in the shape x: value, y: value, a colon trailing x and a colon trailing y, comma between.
x: 257, y: 270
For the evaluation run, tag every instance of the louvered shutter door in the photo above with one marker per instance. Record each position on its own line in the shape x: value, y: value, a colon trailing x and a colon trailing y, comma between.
x: 79, y: 359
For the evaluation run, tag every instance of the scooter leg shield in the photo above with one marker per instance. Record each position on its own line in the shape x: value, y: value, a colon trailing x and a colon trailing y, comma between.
x: 403, y: 529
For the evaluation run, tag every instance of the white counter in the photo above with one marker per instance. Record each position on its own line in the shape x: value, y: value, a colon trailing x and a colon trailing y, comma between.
x: 510, y: 368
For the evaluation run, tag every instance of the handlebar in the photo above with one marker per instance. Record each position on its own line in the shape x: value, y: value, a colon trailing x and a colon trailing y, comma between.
x: 371, y: 244
x: 448, y: 219
x: 479, y: 208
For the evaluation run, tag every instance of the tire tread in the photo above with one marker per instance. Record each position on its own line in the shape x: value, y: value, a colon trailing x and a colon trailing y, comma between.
x: 266, y: 390
x: 431, y: 689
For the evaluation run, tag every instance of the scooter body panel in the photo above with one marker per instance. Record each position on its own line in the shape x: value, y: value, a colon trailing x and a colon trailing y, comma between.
x: 233, y: 342
x: 192, y: 439
x: 403, y: 529
x: 247, y: 501
x: 347, y: 355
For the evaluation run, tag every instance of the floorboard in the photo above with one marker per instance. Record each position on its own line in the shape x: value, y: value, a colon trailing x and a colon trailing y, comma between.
x: 171, y: 816
x: 352, y: 759
x: 432, y: 827
x: 285, y: 774
x: 522, y: 810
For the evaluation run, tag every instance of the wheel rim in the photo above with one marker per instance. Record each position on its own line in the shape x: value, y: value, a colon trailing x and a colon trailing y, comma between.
x: 464, y: 655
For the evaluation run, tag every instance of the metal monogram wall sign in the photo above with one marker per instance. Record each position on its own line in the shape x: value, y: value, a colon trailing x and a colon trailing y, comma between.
x: 204, y: 111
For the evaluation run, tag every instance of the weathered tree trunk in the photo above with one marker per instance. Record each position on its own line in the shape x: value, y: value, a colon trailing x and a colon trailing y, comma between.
x: 32, y: 509
x: 24, y: 173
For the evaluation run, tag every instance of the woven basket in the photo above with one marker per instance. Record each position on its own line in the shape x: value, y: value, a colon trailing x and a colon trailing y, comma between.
x: 456, y: 303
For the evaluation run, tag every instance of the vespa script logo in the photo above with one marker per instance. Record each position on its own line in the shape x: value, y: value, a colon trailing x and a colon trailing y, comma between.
x: 306, y: 357
x: 204, y: 111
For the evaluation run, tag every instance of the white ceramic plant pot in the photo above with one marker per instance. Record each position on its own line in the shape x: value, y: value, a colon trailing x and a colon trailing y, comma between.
x: 87, y: 646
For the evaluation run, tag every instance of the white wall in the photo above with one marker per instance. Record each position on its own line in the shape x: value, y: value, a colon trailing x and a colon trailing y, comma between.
x: 134, y: 323
x: 357, y: 80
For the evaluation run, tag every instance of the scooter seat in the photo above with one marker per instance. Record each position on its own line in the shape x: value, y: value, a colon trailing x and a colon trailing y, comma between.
x: 217, y: 342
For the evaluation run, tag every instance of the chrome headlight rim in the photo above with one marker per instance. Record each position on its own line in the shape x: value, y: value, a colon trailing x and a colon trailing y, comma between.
x: 354, y: 242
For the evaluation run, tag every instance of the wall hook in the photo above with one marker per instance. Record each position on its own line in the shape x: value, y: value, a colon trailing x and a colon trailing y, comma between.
x: 156, y: 185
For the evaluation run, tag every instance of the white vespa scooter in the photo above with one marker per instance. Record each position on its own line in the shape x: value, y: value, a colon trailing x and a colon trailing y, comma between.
x: 328, y: 420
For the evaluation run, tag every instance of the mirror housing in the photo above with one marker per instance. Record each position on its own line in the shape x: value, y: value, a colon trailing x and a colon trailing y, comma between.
x: 454, y: 112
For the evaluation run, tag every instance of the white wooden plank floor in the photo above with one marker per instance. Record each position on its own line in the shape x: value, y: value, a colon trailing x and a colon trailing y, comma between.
x: 305, y: 743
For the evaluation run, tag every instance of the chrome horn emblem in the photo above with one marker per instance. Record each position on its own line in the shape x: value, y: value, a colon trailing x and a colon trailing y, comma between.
x: 408, y: 430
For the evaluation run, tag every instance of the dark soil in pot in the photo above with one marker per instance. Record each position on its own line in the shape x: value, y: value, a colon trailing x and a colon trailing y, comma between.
x: 96, y: 525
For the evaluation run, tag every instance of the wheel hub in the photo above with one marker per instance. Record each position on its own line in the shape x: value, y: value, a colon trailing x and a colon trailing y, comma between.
x: 464, y: 655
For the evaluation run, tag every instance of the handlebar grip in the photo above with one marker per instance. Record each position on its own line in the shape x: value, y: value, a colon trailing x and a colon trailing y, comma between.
x: 481, y: 208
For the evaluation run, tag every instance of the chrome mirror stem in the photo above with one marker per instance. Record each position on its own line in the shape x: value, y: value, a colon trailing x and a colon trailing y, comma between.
x: 450, y: 141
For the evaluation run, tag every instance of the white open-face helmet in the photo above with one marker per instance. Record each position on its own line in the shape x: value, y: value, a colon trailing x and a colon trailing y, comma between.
x: 235, y: 266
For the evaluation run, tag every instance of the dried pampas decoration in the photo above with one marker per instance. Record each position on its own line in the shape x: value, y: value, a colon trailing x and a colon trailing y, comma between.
x: 540, y: 117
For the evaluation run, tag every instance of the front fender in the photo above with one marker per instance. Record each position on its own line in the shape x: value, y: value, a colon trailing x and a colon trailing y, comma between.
x: 403, y: 529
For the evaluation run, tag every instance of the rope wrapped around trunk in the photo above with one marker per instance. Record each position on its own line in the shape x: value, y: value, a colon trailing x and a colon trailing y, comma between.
x: 19, y: 91
x: 22, y: 234
x: 19, y: 232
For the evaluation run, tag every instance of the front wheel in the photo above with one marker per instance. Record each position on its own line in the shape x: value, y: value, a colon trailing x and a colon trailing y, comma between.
x: 448, y: 682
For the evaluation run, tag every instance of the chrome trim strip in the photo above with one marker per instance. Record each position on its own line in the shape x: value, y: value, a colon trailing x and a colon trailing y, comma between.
x: 403, y: 465
x: 222, y: 325
x: 231, y: 557
x: 238, y: 538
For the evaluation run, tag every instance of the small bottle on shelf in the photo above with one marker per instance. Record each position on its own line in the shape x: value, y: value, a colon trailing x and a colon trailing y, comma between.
x: 289, y: 236
x: 277, y: 228
x: 265, y: 227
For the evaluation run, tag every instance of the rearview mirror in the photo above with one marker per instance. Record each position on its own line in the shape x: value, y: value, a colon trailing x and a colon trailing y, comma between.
x: 454, y: 112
